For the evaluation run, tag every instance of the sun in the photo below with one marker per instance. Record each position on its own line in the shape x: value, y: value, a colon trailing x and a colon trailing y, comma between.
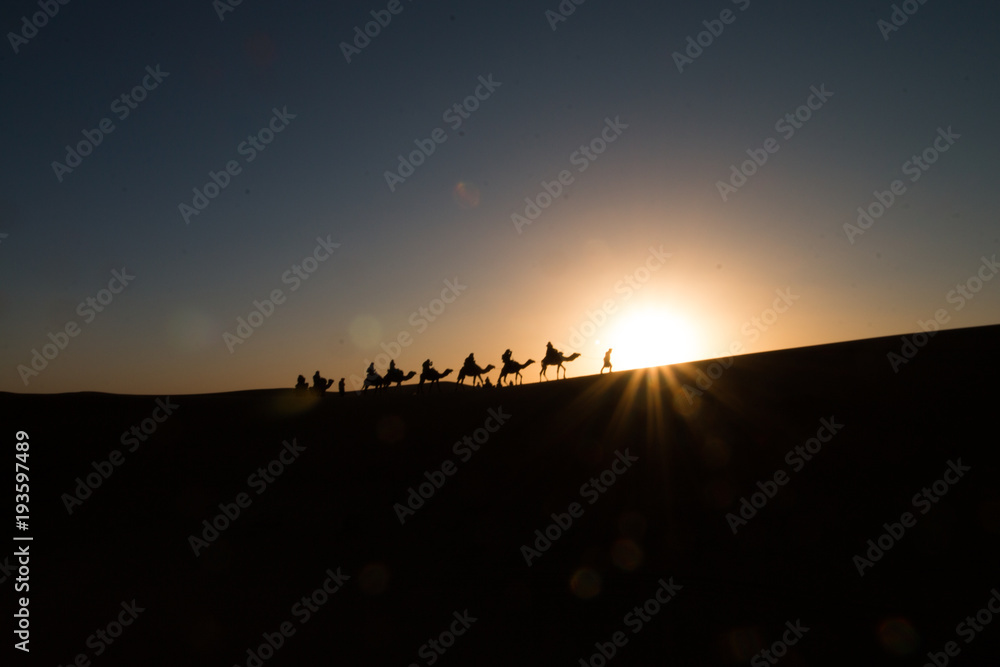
x: 650, y: 336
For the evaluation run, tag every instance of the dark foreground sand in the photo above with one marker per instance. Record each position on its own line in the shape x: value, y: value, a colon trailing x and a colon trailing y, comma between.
x: 890, y: 436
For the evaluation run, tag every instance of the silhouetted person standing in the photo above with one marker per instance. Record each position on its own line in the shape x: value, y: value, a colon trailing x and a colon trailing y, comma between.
x: 340, y: 387
x: 607, y: 361
x: 302, y: 384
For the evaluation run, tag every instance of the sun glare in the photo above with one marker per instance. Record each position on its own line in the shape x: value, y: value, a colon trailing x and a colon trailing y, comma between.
x: 650, y: 337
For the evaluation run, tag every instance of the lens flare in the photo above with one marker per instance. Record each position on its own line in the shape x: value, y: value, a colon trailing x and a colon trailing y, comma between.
x: 466, y: 194
x: 585, y: 583
x: 627, y: 555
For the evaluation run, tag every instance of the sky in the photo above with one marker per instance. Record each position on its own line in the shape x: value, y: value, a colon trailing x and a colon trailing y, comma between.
x: 201, y: 196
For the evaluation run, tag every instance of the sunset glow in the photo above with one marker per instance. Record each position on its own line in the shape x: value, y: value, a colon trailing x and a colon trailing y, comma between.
x: 651, y: 336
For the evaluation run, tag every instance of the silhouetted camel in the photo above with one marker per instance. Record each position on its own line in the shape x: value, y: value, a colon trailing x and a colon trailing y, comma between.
x: 396, y: 375
x: 432, y: 375
x: 513, y: 368
x: 556, y: 359
x: 375, y: 380
x: 320, y: 383
x: 474, y: 372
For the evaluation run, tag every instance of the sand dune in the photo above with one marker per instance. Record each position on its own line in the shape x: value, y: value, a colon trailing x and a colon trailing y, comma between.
x: 411, y: 515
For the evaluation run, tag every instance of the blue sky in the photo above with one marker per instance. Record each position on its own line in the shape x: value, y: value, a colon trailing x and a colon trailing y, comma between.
x: 323, y: 176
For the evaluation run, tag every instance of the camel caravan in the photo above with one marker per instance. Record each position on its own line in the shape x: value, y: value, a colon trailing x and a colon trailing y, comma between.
x: 509, y: 371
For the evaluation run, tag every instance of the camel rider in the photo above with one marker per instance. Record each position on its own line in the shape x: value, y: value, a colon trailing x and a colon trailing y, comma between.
x: 371, y: 369
x: 506, y: 356
x: 470, y: 362
x: 392, y: 366
x: 551, y: 352
x: 427, y: 365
